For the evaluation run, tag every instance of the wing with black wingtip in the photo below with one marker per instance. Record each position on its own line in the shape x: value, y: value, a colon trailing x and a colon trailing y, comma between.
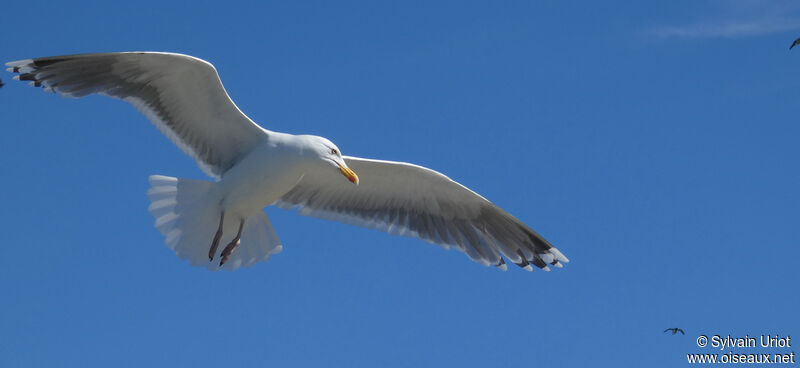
x: 410, y: 200
x: 180, y: 94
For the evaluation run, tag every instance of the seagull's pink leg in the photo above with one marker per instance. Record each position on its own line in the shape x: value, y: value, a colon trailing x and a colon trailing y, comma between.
x: 226, y: 253
x: 215, y: 242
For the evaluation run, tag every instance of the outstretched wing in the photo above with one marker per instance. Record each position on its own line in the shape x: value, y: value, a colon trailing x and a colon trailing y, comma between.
x: 181, y: 95
x: 410, y: 200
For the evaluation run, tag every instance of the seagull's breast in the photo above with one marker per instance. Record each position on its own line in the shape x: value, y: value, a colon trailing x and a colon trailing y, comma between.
x: 259, y: 179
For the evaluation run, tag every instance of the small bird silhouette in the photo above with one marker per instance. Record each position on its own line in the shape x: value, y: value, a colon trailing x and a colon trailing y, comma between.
x: 675, y: 330
x: 797, y: 41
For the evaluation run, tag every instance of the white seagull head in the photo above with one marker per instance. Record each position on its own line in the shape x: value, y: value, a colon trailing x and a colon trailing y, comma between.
x: 323, y: 150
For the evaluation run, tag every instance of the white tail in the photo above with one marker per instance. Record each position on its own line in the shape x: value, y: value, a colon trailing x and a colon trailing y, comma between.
x: 188, y: 217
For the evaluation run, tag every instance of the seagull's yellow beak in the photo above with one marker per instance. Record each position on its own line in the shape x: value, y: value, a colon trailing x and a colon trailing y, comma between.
x: 349, y: 174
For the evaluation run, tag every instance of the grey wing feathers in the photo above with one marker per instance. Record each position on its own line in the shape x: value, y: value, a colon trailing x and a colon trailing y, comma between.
x: 410, y: 200
x: 180, y: 94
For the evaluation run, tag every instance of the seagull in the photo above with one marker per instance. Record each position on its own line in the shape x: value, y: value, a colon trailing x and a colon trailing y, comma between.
x: 794, y: 43
x: 221, y: 224
x: 675, y: 330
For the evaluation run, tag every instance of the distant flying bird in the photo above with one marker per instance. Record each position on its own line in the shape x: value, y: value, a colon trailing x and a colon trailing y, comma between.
x: 184, y: 98
x: 675, y: 330
x: 794, y: 43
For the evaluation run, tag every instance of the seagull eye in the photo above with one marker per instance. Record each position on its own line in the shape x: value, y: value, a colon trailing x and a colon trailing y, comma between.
x: 334, y: 151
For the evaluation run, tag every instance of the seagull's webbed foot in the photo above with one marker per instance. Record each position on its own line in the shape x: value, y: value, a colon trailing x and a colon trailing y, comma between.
x: 217, y: 236
x: 226, y: 253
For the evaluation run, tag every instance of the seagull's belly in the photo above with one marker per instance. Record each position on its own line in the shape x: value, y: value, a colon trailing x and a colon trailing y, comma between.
x: 257, y: 181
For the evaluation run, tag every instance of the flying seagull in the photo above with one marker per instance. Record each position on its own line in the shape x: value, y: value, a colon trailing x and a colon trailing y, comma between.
x: 222, y: 225
x: 675, y: 330
x: 794, y: 43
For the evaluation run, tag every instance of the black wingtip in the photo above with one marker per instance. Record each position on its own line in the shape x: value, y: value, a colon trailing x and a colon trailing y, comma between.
x: 797, y: 41
x: 1, y: 83
x: 538, y: 262
x: 27, y: 77
x: 43, y: 62
x: 522, y: 264
x: 30, y: 77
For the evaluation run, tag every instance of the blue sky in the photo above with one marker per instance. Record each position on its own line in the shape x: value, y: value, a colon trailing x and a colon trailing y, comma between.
x: 654, y: 143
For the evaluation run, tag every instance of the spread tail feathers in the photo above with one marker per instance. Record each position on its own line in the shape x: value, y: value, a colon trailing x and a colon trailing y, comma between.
x: 188, y: 217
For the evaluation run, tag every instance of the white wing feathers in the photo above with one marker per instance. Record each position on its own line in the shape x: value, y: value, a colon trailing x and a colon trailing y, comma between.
x: 410, y: 200
x: 181, y: 95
